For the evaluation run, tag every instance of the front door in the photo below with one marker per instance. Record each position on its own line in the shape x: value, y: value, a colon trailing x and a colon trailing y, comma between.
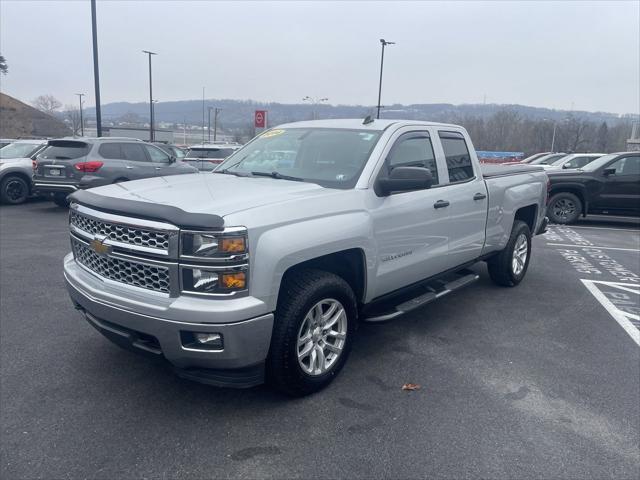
x: 621, y: 186
x: 411, y: 232
x: 138, y: 163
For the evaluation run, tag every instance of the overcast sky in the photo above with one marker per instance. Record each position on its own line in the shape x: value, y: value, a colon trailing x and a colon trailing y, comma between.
x: 547, y: 54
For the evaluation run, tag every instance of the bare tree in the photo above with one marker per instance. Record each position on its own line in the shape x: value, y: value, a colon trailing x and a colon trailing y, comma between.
x: 47, y: 104
x: 4, y: 69
x: 72, y: 117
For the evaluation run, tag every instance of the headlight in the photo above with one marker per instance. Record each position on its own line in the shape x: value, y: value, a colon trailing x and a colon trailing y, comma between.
x: 220, y: 281
x: 229, y: 243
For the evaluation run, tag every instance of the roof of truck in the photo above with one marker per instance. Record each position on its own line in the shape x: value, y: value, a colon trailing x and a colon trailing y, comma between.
x: 357, y: 123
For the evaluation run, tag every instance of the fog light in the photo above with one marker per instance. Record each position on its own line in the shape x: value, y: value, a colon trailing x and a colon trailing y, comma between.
x: 202, y: 340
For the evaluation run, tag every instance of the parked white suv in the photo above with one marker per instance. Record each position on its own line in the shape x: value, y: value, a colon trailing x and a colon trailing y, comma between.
x: 573, y: 160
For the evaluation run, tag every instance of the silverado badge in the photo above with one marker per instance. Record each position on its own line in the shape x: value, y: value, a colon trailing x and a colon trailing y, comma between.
x: 98, y: 245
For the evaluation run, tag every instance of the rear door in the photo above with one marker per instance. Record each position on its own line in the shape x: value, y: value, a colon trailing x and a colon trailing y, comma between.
x: 621, y: 188
x: 138, y: 164
x: 466, y: 192
x: 410, y: 231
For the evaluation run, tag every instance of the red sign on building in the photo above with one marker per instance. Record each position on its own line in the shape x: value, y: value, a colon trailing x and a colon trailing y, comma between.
x: 260, y: 119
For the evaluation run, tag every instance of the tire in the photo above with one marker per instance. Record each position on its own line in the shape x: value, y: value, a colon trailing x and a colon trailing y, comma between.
x: 504, y: 268
x: 14, y: 190
x: 60, y: 199
x: 564, y: 208
x: 300, y: 295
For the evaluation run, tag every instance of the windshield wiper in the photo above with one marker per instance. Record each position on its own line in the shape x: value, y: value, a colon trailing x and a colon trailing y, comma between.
x: 278, y: 175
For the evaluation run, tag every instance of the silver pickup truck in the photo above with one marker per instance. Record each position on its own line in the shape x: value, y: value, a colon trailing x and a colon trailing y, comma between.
x: 262, y: 269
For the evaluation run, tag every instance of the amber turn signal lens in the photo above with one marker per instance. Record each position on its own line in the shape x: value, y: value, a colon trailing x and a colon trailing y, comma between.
x: 232, y: 245
x: 234, y: 281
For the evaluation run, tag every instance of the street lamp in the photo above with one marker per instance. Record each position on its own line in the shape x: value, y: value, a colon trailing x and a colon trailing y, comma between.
x: 384, y: 43
x: 314, y: 102
x: 150, y: 96
x: 80, y: 95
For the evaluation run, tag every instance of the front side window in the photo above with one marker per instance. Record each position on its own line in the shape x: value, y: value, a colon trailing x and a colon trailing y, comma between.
x: 413, y: 150
x: 626, y: 166
x: 457, y: 156
x: 331, y: 157
x: 133, y: 152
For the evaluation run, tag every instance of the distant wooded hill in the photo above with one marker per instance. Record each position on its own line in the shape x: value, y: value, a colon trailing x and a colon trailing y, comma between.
x: 19, y: 120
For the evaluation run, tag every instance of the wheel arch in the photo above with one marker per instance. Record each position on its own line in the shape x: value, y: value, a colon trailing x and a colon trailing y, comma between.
x: 528, y: 215
x: 577, y: 190
x: 20, y: 174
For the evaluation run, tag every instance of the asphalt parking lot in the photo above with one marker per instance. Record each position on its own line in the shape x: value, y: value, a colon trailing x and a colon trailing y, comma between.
x: 540, y: 381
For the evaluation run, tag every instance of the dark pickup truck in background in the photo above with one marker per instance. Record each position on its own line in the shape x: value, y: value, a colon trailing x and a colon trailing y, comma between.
x: 609, y: 185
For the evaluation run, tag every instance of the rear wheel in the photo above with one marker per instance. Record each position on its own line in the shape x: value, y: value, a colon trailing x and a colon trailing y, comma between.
x: 14, y: 190
x: 509, y: 266
x: 60, y: 199
x: 313, y: 331
x: 564, y: 208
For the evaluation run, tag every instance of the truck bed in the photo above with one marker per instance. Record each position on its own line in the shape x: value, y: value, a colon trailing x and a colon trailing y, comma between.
x: 496, y: 170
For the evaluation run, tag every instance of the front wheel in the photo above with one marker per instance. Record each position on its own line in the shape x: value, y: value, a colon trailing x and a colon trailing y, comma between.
x: 14, y: 190
x: 313, y: 331
x: 509, y: 266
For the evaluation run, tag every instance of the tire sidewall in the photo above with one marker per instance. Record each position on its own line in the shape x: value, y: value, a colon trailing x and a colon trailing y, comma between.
x: 521, y: 229
x: 568, y: 196
x: 5, y: 184
x: 301, y: 382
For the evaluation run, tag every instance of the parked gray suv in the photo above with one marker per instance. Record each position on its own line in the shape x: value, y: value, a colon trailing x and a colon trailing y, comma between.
x: 71, y: 164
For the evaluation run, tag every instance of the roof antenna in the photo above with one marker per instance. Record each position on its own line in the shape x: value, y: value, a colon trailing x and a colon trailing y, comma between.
x: 368, y: 120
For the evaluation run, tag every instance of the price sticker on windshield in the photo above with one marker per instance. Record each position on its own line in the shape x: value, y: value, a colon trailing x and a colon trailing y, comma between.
x: 272, y: 133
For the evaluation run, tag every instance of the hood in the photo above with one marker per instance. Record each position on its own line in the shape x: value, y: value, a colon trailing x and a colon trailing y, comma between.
x: 4, y: 161
x: 212, y: 193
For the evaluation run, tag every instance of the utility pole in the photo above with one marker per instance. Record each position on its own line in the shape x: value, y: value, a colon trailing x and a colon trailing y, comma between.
x: 80, y: 95
x: 96, y: 73
x: 150, y: 96
x: 215, y: 123
x: 384, y: 43
x: 202, y: 114
x: 209, y: 124
x: 184, y: 131
x: 553, y: 138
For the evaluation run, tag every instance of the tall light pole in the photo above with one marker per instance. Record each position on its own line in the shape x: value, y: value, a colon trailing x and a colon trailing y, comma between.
x: 384, y: 43
x: 209, y: 123
x: 96, y: 73
x: 553, y: 137
x: 80, y: 95
x: 216, y: 111
x: 202, y: 114
x: 150, y: 96
x: 314, y: 102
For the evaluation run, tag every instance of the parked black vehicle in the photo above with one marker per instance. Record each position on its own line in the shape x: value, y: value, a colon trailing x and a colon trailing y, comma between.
x: 71, y: 164
x: 609, y: 185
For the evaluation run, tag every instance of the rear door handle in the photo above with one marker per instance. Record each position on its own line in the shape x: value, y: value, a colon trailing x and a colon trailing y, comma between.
x: 441, y: 204
x: 158, y: 168
x: 479, y: 196
x: 129, y: 167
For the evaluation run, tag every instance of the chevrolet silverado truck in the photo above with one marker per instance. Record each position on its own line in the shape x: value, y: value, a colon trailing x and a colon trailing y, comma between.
x: 609, y: 185
x: 262, y: 269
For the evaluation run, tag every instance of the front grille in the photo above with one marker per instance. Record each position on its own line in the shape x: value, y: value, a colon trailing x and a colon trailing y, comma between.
x: 131, y: 273
x: 121, y: 233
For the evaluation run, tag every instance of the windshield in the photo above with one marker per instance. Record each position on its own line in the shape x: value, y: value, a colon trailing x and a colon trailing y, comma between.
x: 330, y: 157
x: 18, y: 150
x: 597, y: 163
x: 548, y: 159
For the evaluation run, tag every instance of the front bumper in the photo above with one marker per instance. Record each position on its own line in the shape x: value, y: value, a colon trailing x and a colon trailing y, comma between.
x: 128, y: 322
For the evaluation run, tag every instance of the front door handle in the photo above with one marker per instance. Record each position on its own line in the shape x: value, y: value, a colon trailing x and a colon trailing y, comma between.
x: 479, y: 196
x: 441, y: 204
x: 128, y: 167
x: 158, y: 168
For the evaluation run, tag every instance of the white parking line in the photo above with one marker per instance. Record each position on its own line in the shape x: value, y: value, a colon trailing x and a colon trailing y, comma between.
x: 623, y: 318
x: 593, y: 246
x: 603, y: 228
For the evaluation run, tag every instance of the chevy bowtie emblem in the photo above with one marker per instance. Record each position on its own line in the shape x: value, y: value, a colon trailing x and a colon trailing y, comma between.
x: 98, y: 245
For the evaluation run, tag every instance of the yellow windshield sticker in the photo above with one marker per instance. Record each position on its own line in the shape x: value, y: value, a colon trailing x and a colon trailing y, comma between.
x: 272, y: 133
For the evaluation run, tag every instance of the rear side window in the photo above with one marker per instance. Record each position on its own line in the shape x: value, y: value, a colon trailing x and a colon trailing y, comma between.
x: 61, y: 150
x: 133, y: 152
x: 457, y: 156
x: 414, y: 150
x: 110, y: 150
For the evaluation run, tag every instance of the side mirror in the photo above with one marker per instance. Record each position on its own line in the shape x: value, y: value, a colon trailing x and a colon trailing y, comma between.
x: 172, y: 159
x: 609, y: 171
x: 404, y: 179
x: 566, y: 165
